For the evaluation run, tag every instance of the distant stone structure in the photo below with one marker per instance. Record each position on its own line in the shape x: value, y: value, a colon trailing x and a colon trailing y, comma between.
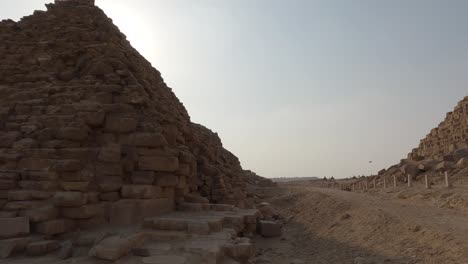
x: 450, y: 135
x: 90, y: 133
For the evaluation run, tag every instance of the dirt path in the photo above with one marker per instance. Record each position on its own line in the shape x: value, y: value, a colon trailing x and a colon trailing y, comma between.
x: 331, y: 226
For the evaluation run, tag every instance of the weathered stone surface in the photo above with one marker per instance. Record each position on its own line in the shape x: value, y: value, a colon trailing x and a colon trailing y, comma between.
x: 83, y: 212
x: 120, y: 124
x: 40, y: 214
x: 109, y: 196
x: 42, y: 247
x: 163, y: 259
x: 148, y: 140
x: 115, y: 247
x: 66, y: 250
x: 54, y: 227
x: 270, y: 228
x: 110, y: 153
x: 69, y: 199
x: 169, y: 164
x: 140, y: 191
x: 166, y: 180
x: 143, y: 177
x: 11, y: 246
x: 130, y: 211
x: 14, y: 227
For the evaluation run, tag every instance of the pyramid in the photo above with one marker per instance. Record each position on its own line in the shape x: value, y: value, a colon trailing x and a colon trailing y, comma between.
x: 91, y: 134
x: 450, y: 135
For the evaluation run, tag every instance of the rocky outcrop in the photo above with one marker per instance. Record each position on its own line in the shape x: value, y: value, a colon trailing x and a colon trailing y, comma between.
x: 91, y: 134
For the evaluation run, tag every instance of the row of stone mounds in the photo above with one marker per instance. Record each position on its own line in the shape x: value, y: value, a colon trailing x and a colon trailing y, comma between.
x: 196, y: 233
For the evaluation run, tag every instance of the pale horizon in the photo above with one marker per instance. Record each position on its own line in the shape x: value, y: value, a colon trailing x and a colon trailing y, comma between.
x: 303, y: 88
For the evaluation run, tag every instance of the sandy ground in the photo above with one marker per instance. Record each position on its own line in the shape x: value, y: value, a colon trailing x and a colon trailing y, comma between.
x: 332, y: 226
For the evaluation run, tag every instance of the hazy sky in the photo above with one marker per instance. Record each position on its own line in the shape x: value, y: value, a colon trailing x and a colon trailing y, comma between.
x: 303, y: 87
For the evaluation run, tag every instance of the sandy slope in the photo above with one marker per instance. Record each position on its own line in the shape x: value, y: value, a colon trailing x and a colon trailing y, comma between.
x: 331, y: 226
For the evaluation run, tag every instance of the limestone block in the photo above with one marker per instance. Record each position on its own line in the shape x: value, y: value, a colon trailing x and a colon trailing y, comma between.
x: 161, y: 163
x: 14, y: 227
x: 54, y: 227
x: 69, y: 199
x: 110, y: 153
x: 34, y: 164
x: 140, y: 191
x: 270, y: 228
x: 94, y: 119
x: 23, y: 205
x: 240, y: 249
x: 7, y: 138
x: 120, y: 124
x: 112, y: 248
x: 166, y: 180
x: 110, y: 169
x: 75, y: 186
x: 109, y: 196
x: 45, y: 175
x: 130, y: 211
x: 39, y: 185
x: 83, y: 212
x: 152, y: 140
x: 7, y: 184
x: 40, y: 214
x: 73, y: 133
x: 11, y: 246
x: 70, y: 165
x: 41, y: 248
x: 143, y: 177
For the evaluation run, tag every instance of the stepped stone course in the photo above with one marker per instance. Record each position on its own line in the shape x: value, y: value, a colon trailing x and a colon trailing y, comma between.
x: 451, y: 135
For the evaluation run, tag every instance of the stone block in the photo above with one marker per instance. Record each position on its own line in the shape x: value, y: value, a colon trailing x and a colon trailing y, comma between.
x: 54, y: 227
x: 41, y: 248
x: 66, y: 250
x: 34, y: 164
x: 11, y: 246
x: 73, y: 133
x: 83, y: 212
x: 75, y: 186
x: 23, y: 205
x: 270, y: 228
x: 7, y: 138
x: 40, y: 214
x: 152, y: 140
x: 69, y: 199
x: 7, y: 184
x: 240, y: 249
x: 130, y: 211
x: 39, y: 185
x: 14, y: 227
x: 93, y: 119
x: 109, y: 169
x: 162, y: 163
x: 143, y: 177
x: 39, y: 175
x: 166, y: 180
x: 109, y: 196
x: 70, y: 165
x: 120, y: 124
x: 140, y: 191
x: 114, y: 247
x: 110, y: 153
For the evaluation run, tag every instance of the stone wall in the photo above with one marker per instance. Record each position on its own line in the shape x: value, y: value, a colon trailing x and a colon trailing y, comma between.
x: 450, y: 135
x: 90, y: 133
